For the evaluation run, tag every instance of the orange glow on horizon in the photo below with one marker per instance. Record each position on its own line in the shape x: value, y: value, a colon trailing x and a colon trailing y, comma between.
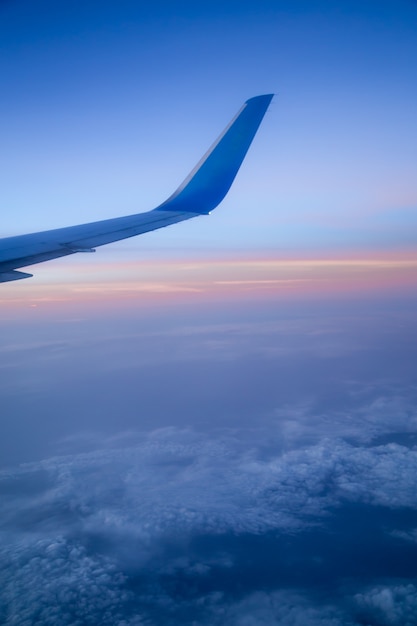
x: 152, y: 282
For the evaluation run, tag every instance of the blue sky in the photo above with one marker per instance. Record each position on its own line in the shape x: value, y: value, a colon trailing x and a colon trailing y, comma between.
x: 213, y: 423
x: 105, y: 110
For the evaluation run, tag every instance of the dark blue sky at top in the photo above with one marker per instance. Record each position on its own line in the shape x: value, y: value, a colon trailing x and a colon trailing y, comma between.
x: 210, y: 456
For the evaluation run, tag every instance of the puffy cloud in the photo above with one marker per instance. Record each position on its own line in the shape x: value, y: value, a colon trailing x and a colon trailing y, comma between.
x: 389, y: 606
x: 109, y: 536
x: 55, y: 581
x: 175, y: 480
x: 375, y: 412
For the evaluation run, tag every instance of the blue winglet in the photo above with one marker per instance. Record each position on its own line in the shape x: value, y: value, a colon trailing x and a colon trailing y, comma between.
x: 208, y: 183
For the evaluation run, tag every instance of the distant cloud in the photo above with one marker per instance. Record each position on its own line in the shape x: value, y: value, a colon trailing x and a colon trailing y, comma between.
x: 285, y: 609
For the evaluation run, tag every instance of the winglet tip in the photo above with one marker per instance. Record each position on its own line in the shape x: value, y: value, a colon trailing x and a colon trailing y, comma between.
x: 264, y: 98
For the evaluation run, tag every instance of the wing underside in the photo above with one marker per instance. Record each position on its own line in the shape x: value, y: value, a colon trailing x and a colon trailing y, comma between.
x: 201, y: 191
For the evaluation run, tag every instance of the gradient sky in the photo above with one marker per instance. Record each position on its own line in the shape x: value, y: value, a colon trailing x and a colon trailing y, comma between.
x: 106, y: 107
x: 214, y: 423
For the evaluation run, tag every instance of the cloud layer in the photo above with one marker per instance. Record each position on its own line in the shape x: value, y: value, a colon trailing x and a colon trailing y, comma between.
x: 182, y: 527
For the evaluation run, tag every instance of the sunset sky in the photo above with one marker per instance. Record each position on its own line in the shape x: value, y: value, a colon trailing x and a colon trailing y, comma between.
x: 214, y: 423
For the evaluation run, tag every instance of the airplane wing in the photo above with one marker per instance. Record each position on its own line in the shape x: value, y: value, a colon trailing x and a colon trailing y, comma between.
x: 202, y: 190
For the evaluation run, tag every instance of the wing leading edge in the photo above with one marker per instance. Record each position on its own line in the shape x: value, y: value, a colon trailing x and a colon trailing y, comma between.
x: 202, y: 190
